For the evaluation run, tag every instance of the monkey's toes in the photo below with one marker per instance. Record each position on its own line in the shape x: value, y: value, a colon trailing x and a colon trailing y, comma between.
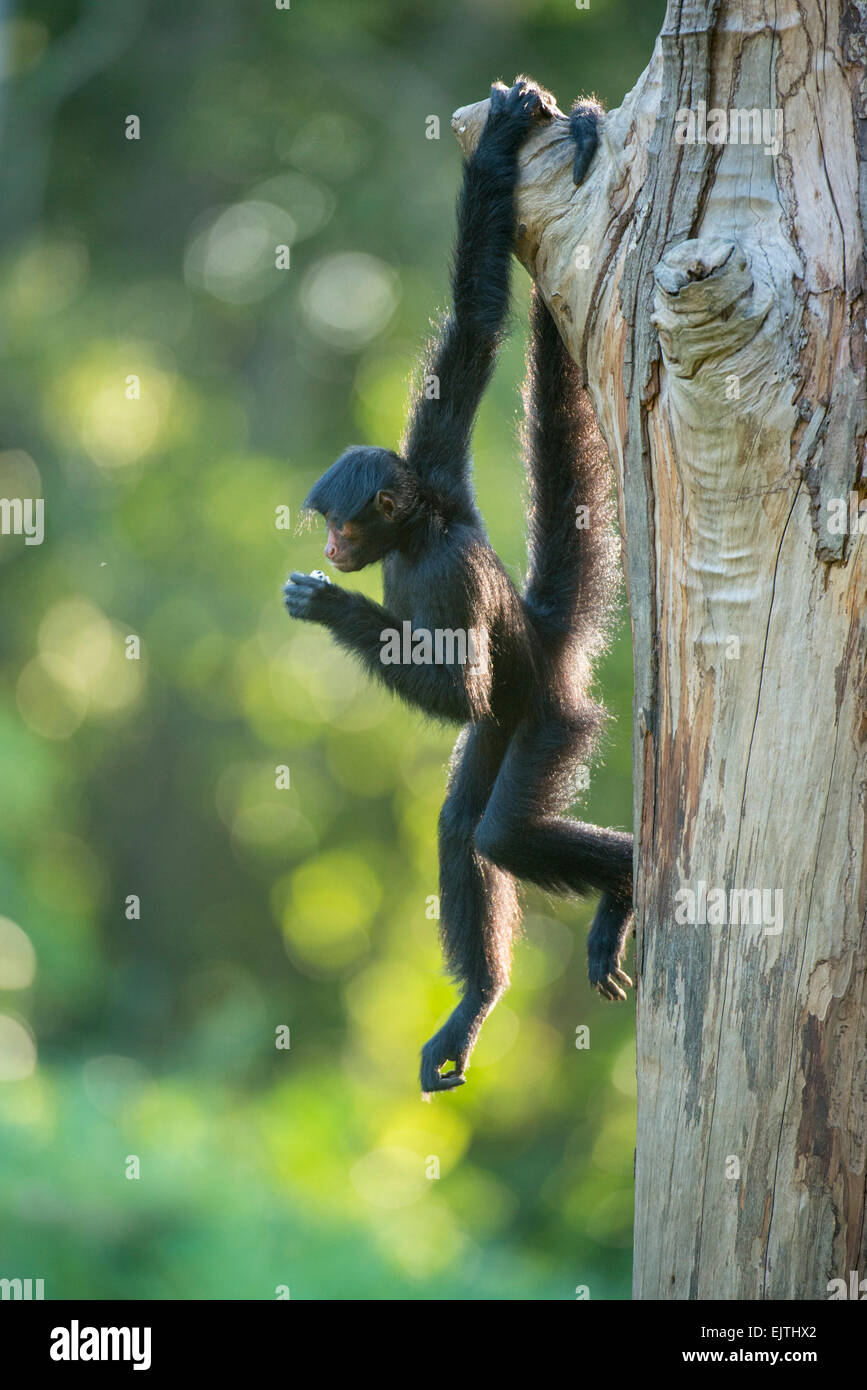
x: 449, y: 1082
x: 434, y: 1055
x: 534, y: 100
x: 609, y: 986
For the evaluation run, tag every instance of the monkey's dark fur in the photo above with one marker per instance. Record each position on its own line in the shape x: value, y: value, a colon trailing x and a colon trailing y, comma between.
x: 530, y: 722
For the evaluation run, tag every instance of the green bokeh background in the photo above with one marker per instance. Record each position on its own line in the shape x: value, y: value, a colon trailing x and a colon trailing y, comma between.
x: 315, y: 1167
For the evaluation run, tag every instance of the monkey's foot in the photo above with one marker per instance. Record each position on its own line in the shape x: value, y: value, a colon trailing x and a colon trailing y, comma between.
x: 609, y: 984
x: 518, y: 107
x: 453, y: 1043
x: 605, y: 947
x: 584, y: 121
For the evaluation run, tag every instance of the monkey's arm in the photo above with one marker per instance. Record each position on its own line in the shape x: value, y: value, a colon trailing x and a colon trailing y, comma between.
x: 461, y: 357
x: 363, y: 628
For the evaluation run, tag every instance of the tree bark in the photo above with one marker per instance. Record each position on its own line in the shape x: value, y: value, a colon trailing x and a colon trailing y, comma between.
x: 714, y: 295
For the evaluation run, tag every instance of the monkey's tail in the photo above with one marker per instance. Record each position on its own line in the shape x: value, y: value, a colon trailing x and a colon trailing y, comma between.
x: 573, y: 574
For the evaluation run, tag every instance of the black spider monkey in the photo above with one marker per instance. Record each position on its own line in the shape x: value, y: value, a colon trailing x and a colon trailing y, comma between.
x: 529, y: 720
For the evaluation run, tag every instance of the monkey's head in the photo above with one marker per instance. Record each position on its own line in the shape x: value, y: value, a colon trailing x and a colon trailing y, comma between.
x: 366, y: 498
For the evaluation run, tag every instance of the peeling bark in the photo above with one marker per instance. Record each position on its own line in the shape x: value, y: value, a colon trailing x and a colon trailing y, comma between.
x: 714, y: 297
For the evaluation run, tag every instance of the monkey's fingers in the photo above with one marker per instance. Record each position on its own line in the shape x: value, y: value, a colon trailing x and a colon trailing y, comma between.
x: 499, y: 92
x: 433, y: 1056
x: 609, y: 989
x: 449, y: 1082
x: 533, y: 99
x: 433, y: 1080
x: 584, y: 129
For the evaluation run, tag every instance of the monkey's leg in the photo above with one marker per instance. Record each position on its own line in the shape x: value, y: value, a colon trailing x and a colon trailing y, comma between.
x: 478, y: 907
x: 523, y: 832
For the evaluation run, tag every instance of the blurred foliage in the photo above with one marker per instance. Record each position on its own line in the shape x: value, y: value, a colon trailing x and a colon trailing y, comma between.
x: 315, y: 1166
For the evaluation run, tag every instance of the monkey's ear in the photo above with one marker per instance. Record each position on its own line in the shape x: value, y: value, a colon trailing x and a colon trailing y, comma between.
x: 385, y: 504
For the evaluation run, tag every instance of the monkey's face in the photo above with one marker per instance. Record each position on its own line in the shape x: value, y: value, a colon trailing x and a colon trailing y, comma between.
x: 363, y: 539
x: 345, y: 546
x: 362, y: 498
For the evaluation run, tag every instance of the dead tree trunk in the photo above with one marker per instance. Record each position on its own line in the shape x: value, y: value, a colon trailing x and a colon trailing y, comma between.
x: 709, y: 278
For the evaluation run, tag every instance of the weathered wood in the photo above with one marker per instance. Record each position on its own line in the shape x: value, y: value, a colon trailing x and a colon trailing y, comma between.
x: 720, y: 321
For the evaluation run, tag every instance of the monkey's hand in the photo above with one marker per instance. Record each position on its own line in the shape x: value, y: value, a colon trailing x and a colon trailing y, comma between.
x: 514, y: 110
x: 584, y: 121
x: 453, y: 1043
x: 605, y: 947
x: 311, y: 597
